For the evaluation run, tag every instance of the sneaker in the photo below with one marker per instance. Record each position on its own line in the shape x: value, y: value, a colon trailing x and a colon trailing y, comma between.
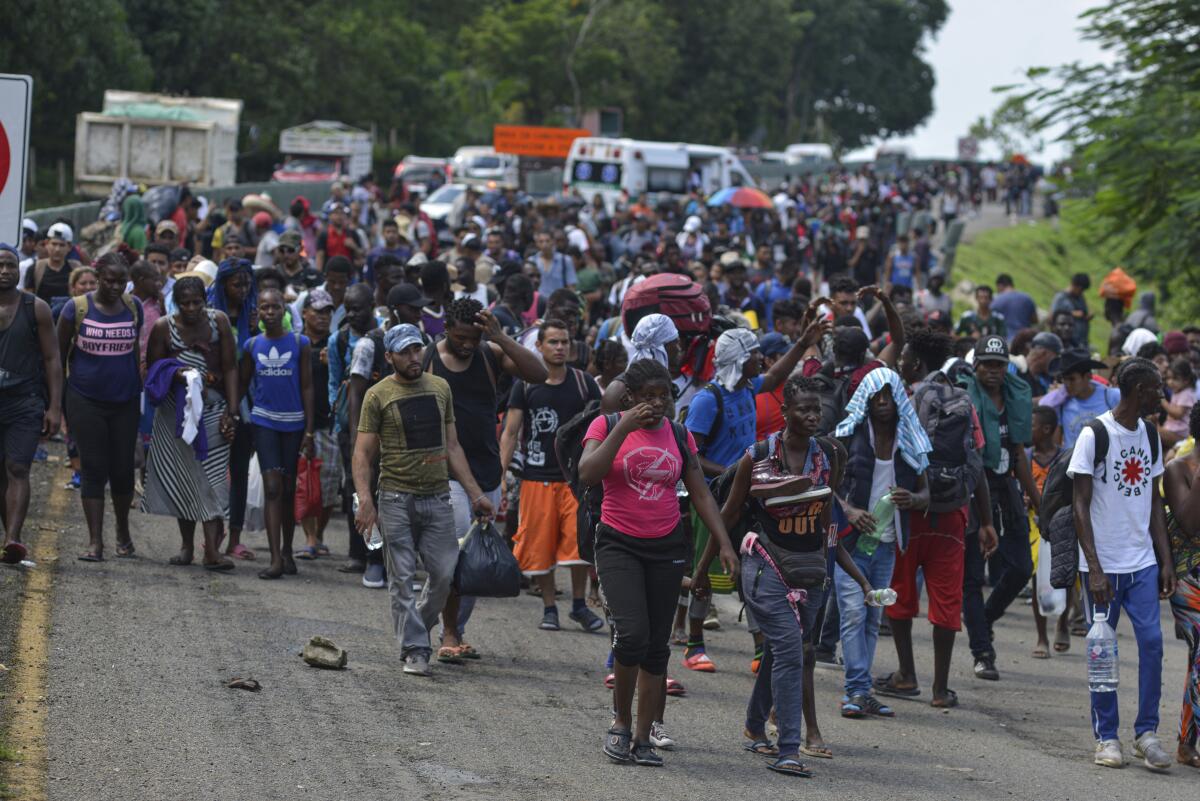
x: 659, y: 737
x: 373, y: 576
x: 828, y: 661
x: 644, y: 754
x: 417, y: 665
x: 1148, y: 749
x: 353, y: 566
x: 41, y: 454
x: 587, y: 619
x: 549, y: 620
x: 1108, y: 754
x: 712, y: 622
x: 74, y: 483
x: 699, y: 661
x: 985, y: 668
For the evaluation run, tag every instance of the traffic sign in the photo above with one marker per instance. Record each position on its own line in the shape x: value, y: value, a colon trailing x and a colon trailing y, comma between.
x: 16, y: 101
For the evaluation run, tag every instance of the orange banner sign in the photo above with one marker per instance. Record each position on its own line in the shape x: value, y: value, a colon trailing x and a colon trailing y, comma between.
x: 535, y: 140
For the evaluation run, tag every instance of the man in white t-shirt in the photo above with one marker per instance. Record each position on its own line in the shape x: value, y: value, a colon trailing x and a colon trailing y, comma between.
x: 1125, y: 559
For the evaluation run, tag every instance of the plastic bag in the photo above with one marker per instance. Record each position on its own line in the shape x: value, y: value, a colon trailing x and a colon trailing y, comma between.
x: 308, y: 489
x: 486, y: 567
x: 254, y: 520
x: 1051, y: 602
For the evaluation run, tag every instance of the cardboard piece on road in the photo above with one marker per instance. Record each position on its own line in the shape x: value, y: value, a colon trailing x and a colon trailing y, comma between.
x: 16, y: 101
x: 535, y: 140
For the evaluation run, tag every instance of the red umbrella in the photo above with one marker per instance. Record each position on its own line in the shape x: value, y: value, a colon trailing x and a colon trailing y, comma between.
x: 743, y: 197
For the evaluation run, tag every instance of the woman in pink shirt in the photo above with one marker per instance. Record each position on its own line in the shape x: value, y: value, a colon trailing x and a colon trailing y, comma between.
x: 641, y: 547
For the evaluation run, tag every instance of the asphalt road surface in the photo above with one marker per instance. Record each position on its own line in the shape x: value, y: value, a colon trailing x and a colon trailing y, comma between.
x: 122, y: 696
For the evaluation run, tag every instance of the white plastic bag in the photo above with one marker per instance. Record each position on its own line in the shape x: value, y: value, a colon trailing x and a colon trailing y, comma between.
x: 254, y: 499
x: 1051, y: 602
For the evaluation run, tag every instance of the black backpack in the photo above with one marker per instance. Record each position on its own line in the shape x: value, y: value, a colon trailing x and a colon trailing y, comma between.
x: 1056, y: 517
x: 946, y: 414
x: 835, y: 396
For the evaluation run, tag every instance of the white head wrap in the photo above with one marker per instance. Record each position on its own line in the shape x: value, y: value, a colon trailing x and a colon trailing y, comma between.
x: 733, y: 349
x: 650, y: 336
x: 1137, y: 337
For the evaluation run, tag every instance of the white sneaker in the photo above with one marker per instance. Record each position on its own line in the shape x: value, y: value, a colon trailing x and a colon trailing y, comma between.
x: 417, y: 665
x: 1108, y: 754
x: 659, y: 737
x: 1149, y: 749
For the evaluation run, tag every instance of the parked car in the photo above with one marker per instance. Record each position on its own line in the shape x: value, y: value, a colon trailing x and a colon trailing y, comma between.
x: 421, y: 175
x: 483, y: 165
x: 445, y: 206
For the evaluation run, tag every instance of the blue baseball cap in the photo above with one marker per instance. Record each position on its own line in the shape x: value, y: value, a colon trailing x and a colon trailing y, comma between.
x: 773, y: 344
x: 401, y: 337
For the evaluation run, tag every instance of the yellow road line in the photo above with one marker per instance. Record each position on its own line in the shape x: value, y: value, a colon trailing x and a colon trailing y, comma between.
x: 27, y: 710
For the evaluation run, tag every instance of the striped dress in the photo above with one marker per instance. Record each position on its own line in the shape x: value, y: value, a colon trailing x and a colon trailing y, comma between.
x: 177, y: 483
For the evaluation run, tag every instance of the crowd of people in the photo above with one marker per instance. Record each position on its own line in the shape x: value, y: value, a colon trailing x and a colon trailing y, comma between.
x: 667, y: 399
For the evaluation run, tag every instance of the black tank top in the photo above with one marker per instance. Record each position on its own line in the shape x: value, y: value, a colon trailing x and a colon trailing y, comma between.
x: 20, y: 353
x: 54, y: 283
x: 474, y: 392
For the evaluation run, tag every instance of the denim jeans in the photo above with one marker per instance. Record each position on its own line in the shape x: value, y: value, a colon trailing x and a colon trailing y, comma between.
x: 860, y: 623
x: 780, y: 679
x: 413, y: 524
x: 1137, y: 594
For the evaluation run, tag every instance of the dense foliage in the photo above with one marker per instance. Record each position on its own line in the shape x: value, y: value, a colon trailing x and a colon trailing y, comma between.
x: 442, y: 72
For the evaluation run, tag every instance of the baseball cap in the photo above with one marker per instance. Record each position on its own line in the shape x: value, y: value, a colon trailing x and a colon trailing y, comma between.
x: 318, y: 299
x: 406, y: 295
x: 1078, y: 360
x: 471, y: 242
x: 262, y: 219
x: 61, y: 230
x: 1049, y: 341
x: 402, y: 337
x: 290, y: 239
x: 772, y: 344
x: 166, y: 225
x: 991, y: 348
x: 180, y: 254
x: 29, y: 227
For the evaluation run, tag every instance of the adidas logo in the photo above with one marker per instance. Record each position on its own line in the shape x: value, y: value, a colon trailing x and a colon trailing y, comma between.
x: 272, y: 363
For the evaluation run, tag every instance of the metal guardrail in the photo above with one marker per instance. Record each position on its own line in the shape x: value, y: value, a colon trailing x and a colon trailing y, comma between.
x: 79, y: 215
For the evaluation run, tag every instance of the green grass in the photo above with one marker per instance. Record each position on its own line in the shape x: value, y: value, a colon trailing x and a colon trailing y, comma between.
x: 1041, y: 258
x: 7, y: 754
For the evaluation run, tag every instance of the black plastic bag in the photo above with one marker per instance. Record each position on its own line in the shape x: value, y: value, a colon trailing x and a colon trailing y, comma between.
x: 486, y: 567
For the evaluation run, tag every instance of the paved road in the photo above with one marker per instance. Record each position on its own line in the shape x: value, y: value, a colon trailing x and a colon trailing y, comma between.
x: 137, y: 709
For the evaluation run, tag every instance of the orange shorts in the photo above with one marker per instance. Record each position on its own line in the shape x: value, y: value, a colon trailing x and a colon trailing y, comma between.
x: 546, y: 535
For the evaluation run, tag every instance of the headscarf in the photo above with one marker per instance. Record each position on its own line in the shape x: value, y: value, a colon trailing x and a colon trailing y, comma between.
x: 307, y: 220
x: 733, y: 349
x: 911, y: 438
x: 217, y: 300
x: 1135, y: 340
x: 650, y: 336
x: 133, y: 223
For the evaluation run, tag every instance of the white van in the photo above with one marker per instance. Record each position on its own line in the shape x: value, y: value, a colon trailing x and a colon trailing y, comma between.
x: 483, y: 165
x: 808, y: 153
x: 610, y: 166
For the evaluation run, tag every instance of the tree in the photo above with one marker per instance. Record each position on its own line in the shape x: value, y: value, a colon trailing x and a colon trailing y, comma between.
x: 1011, y: 127
x: 1133, y: 125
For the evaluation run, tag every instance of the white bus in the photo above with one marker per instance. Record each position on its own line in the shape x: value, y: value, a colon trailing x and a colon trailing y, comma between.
x: 610, y: 166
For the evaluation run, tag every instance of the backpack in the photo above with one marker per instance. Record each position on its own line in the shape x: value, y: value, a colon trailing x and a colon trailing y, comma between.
x: 1056, y: 514
x: 518, y: 458
x: 379, y: 368
x: 946, y: 415
x: 677, y: 296
x: 835, y: 396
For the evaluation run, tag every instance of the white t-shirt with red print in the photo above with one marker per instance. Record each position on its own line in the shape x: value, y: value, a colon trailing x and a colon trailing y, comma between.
x: 1122, y: 493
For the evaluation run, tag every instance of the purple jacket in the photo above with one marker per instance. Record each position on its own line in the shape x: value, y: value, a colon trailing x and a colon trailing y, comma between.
x: 160, y: 383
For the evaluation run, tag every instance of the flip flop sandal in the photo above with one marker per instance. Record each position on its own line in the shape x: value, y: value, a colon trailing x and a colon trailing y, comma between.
x: 223, y: 566
x: 14, y: 552
x: 790, y: 766
x: 610, y: 681
x: 242, y: 552
x: 307, y: 552
x: 884, y: 685
x: 92, y: 556
x: 1062, y: 644
x: 852, y: 710
x: 1040, y: 653
x: 177, y: 561
x: 675, y: 688
x: 948, y: 701
x: 817, y: 752
x: 467, y: 651
x: 761, y: 746
x: 323, y: 550
x: 244, y: 684
x: 126, y: 550
x: 449, y: 654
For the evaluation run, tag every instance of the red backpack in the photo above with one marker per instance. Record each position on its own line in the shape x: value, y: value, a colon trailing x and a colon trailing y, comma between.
x: 672, y: 294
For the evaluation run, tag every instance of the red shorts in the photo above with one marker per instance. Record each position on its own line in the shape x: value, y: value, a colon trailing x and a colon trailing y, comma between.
x: 939, y: 551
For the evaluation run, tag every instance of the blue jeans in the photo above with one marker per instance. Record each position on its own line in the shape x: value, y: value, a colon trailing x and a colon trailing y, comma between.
x: 1137, y: 594
x: 780, y: 679
x: 860, y: 623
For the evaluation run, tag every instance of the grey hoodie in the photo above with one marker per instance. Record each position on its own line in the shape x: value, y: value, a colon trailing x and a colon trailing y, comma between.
x: 1143, y: 316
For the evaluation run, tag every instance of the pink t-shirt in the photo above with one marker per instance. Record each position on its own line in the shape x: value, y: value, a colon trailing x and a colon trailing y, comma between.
x: 639, y: 490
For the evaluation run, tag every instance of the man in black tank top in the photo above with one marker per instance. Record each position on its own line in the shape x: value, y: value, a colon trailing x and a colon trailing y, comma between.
x: 30, y: 393
x: 472, y: 366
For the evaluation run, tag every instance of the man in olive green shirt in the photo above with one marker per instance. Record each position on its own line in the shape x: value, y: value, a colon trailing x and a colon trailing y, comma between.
x: 407, y: 422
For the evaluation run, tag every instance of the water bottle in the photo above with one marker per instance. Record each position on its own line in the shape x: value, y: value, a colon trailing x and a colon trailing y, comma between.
x: 1102, y: 668
x: 375, y: 541
x: 884, y: 597
x: 884, y: 513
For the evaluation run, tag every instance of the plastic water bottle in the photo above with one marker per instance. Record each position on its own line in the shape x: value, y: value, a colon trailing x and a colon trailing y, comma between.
x: 884, y: 513
x: 1102, y: 667
x: 884, y: 597
x: 375, y: 541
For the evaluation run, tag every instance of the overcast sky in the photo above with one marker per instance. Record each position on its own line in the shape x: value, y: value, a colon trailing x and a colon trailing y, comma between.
x: 985, y: 43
